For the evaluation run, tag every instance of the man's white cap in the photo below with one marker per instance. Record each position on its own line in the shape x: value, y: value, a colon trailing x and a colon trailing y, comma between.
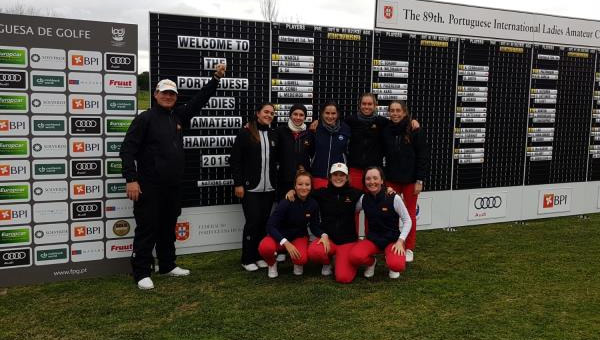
x: 339, y: 167
x: 166, y: 85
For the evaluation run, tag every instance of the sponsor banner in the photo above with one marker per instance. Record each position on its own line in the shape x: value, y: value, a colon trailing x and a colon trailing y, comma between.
x: 85, y: 104
x: 51, y: 233
x: 116, y: 188
x: 119, y: 248
x: 85, y: 60
x: 118, y: 208
x: 13, y: 56
x: 14, y: 192
x: 14, y: 148
x: 51, y: 81
x: 120, y: 83
x: 554, y: 200
x: 14, y: 102
x: 50, y: 191
x: 86, y: 210
x: 54, y: 254
x: 114, y: 167
x: 112, y: 146
x: 117, y: 126
x: 49, y: 103
x: 85, y: 126
x: 50, y: 212
x: 85, y: 147
x: 120, y: 105
x: 85, y: 82
x: 49, y: 147
x: 14, y: 170
x: 86, y: 189
x: 11, y: 125
x: 86, y: 168
x: 182, y: 231
x: 119, y: 228
x: 120, y: 62
x: 15, y: 258
x: 15, y: 214
x: 13, y: 80
x: 49, y: 168
x: 87, y: 251
x: 423, y: 213
x: 87, y: 231
x: 48, y: 58
x: 48, y: 125
x: 487, y: 205
x: 15, y: 236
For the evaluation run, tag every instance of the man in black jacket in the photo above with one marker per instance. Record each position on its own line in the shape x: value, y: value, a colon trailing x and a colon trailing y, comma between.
x: 153, y: 162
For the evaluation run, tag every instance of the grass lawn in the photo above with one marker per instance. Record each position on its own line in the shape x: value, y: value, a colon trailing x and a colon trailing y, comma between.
x: 540, y: 280
x: 143, y: 99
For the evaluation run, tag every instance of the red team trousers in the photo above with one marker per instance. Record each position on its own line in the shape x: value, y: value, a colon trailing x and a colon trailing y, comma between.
x: 344, y: 271
x: 362, y: 254
x: 410, y: 201
x: 268, y: 249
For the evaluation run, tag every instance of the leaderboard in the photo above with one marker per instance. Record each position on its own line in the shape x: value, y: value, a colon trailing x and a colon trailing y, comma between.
x: 496, y: 112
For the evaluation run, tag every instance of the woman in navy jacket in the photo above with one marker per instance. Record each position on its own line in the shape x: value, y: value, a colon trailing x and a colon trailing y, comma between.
x: 253, y: 169
x: 331, y: 143
x: 406, y: 163
x: 287, y: 227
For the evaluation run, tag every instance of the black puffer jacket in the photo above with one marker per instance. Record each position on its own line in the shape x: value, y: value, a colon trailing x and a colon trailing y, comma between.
x: 405, y: 162
x: 337, y: 207
x: 365, y: 147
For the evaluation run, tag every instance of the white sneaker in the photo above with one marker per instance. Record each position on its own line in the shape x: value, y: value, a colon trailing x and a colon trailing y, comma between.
x: 178, y: 272
x: 145, y: 283
x: 326, y: 270
x: 272, y: 271
x: 298, y: 269
x: 393, y: 275
x: 250, y: 267
x: 370, y: 271
x: 280, y: 257
x: 410, y: 256
x: 261, y: 264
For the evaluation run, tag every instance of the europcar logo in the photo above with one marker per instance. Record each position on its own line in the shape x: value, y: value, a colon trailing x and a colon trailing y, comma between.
x: 12, y: 125
x: 13, y: 80
x: 14, y: 148
x: 117, y: 126
x: 85, y: 104
x: 11, y: 56
x: 14, y: 170
x: 85, y: 60
x: 48, y: 58
x: 15, y: 236
x: 14, y: 192
x: 114, y: 167
x: 14, y: 102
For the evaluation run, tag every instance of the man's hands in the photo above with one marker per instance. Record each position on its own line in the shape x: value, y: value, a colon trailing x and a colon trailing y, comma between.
x: 239, y: 191
x: 133, y: 191
x: 220, y: 72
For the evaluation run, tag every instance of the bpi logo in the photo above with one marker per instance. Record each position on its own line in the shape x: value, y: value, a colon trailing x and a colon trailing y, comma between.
x: 82, y: 104
x: 388, y: 12
x: 83, y: 231
x: 10, y: 214
x: 85, y: 147
x: 7, y: 170
x: 82, y: 189
x: 8, y: 125
x: 552, y: 200
x: 182, y: 231
x: 81, y: 60
x: 86, y: 104
x: 85, y: 60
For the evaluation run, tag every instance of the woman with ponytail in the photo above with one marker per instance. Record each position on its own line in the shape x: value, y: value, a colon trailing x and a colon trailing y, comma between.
x: 253, y: 168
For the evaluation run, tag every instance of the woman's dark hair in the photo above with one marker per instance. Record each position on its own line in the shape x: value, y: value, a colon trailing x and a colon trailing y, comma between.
x: 334, y: 104
x: 381, y: 174
x: 368, y: 94
x: 298, y: 107
x: 408, y: 130
x: 252, y: 124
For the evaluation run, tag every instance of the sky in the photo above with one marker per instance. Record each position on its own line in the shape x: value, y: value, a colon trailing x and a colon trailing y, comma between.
x: 341, y: 13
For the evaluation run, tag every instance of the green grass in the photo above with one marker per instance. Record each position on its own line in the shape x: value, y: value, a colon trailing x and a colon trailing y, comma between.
x: 143, y: 97
x: 540, y: 280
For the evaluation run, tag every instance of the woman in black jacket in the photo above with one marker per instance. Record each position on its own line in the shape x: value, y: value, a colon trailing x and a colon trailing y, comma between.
x: 296, y: 147
x: 406, y: 163
x: 253, y: 168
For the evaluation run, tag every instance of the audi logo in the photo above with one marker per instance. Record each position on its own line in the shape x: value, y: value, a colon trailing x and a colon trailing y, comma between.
x: 10, y: 77
x: 86, y: 166
x: 86, y: 208
x: 120, y: 60
x: 14, y: 256
x: 86, y: 123
x: 487, y: 202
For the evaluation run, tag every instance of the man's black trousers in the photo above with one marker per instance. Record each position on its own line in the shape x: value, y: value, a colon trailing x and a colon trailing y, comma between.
x: 156, y: 213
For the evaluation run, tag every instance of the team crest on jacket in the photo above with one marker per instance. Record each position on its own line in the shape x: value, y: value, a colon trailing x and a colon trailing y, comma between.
x: 307, y: 215
x: 373, y: 126
x: 306, y: 143
x: 347, y: 200
x: 182, y: 231
x: 340, y: 137
x: 384, y: 209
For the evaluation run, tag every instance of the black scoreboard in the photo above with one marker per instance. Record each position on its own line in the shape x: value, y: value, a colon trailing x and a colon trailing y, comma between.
x: 497, y: 113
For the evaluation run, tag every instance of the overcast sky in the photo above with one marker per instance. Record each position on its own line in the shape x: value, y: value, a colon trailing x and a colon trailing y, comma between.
x: 341, y: 13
